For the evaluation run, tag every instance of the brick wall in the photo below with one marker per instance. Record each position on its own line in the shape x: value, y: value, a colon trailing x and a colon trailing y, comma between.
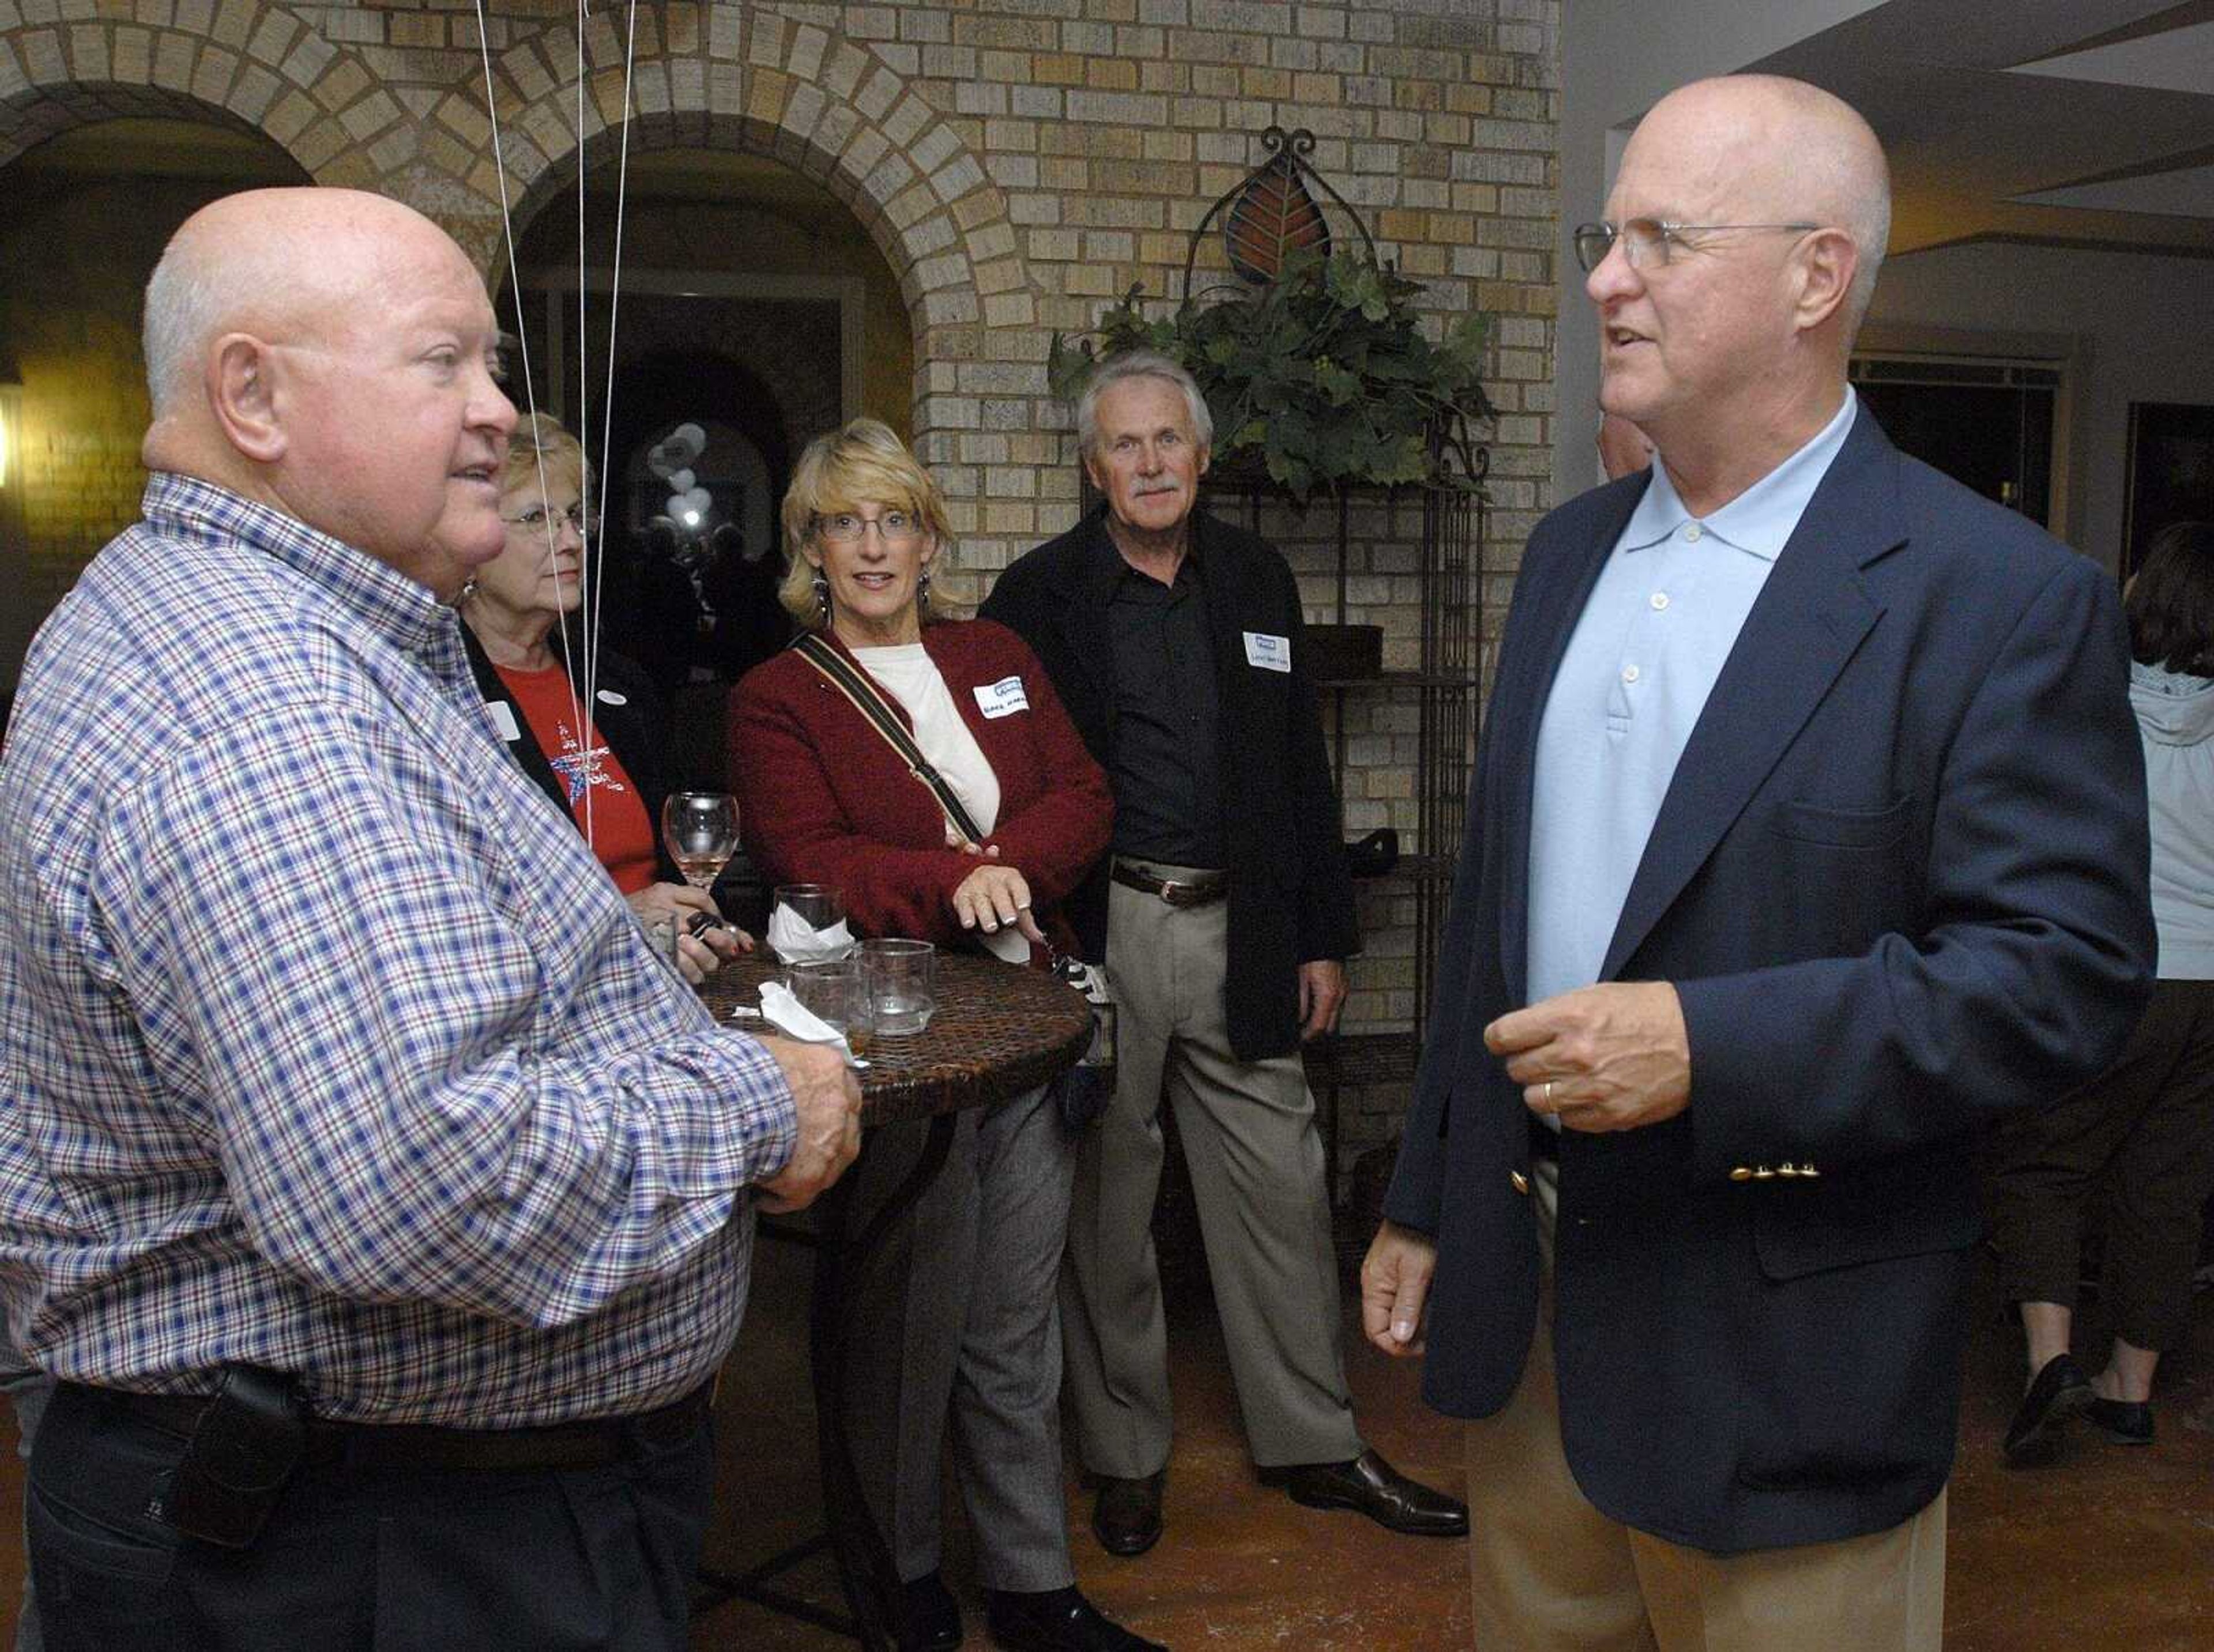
x: 1015, y: 163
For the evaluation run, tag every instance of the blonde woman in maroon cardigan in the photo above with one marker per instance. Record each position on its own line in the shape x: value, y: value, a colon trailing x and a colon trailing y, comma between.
x: 970, y: 1327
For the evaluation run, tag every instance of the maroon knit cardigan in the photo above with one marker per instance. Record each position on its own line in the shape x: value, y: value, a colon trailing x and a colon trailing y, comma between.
x: 824, y: 798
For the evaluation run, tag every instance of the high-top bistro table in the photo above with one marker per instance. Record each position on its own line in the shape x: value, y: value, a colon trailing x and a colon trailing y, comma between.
x: 999, y: 1030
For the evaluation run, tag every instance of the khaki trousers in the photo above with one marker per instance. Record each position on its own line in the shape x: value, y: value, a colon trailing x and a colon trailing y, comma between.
x: 1248, y: 1129
x: 1552, y: 1574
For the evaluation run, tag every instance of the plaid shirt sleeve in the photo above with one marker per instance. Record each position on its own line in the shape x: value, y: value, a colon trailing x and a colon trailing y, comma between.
x: 409, y: 1099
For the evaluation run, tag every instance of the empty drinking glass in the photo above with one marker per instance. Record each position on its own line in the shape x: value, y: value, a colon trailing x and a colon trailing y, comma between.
x: 902, y: 978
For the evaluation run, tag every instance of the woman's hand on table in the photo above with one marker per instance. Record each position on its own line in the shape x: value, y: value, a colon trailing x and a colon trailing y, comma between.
x: 827, y: 1098
x: 993, y: 897
x: 704, y: 943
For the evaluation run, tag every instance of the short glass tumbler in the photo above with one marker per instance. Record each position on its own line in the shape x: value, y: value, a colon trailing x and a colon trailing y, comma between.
x: 902, y: 982
x: 833, y: 989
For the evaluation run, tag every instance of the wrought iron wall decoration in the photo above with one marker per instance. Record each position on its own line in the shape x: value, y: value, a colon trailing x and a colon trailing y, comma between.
x: 1314, y: 362
x: 1273, y: 213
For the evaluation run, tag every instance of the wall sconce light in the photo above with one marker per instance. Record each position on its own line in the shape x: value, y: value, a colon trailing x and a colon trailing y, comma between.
x: 11, y: 419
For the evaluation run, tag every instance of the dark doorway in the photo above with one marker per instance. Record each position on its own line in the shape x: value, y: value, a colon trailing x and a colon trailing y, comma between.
x: 86, y: 215
x: 1986, y: 425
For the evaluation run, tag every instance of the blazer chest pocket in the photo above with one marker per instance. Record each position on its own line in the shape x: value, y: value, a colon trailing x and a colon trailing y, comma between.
x: 1842, y: 828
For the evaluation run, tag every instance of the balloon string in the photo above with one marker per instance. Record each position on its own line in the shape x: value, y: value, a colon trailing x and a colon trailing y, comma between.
x: 515, y: 283
x: 588, y: 636
x: 592, y: 592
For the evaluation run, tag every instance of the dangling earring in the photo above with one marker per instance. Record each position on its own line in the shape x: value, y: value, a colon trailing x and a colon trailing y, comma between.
x: 468, y: 589
x: 822, y: 599
x: 922, y: 591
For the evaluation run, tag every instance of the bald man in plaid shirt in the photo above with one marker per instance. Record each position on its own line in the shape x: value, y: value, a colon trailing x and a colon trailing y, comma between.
x: 380, y: 1202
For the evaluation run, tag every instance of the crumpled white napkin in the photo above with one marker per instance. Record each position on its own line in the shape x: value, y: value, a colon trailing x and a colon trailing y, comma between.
x: 796, y: 1021
x: 795, y: 941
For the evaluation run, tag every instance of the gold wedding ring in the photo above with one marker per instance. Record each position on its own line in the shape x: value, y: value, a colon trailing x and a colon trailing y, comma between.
x: 1550, y: 1107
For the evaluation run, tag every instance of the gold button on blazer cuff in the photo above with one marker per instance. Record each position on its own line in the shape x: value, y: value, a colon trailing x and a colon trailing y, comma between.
x: 1740, y: 1172
x: 1762, y: 1173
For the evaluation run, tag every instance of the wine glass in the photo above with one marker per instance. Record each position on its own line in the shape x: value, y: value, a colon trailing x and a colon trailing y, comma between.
x: 701, y: 831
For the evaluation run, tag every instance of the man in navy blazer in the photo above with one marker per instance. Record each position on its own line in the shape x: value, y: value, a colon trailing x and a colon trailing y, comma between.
x: 1808, y: 836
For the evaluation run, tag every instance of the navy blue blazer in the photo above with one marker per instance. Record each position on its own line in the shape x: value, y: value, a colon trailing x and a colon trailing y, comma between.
x: 1899, y: 882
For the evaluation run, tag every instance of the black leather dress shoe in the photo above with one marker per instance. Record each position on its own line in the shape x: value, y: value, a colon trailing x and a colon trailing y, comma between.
x: 2125, y: 1421
x: 1126, y: 1517
x: 1058, y: 1620
x: 1375, y: 1488
x: 2059, y: 1391
x: 930, y: 1618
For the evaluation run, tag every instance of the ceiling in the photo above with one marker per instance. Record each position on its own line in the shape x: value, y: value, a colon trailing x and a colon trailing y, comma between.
x: 2068, y: 122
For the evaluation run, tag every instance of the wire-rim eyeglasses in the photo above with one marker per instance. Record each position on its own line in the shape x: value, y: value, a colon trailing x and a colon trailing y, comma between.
x: 1647, y: 242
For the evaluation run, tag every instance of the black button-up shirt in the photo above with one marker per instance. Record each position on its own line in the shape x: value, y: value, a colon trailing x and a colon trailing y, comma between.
x: 1167, y: 765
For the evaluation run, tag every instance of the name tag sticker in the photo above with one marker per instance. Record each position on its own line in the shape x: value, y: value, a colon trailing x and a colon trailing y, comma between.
x: 1268, y: 653
x: 1002, y: 698
x: 503, y: 719
x: 609, y: 697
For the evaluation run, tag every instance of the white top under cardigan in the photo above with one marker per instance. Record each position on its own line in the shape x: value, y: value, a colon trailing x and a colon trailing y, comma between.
x: 908, y: 674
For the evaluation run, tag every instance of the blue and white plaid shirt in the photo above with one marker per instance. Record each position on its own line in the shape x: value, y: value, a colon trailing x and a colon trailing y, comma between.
x: 325, y: 1044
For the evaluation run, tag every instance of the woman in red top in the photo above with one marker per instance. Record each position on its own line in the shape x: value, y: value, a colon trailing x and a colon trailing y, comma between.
x: 602, y: 763
x: 972, y: 1318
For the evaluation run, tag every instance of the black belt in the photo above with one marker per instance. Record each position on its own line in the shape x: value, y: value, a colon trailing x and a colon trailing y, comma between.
x: 1174, y: 892
x: 592, y: 1443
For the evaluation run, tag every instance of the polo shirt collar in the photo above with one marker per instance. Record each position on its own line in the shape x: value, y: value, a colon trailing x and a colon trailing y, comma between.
x: 1761, y: 519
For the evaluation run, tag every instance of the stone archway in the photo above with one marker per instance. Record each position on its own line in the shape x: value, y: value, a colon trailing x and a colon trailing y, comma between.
x: 824, y: 106
x: 835, y: 111
x: 252, y: 65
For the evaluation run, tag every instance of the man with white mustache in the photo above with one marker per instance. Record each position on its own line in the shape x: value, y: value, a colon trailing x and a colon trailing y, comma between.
x: 1223, y: 913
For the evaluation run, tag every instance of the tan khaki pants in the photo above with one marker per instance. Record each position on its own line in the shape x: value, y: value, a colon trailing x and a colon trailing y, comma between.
x: 1256, y: 1175
x: 1552, y: 1574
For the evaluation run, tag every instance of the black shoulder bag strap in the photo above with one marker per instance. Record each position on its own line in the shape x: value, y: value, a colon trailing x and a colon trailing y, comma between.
x: 869, y: 700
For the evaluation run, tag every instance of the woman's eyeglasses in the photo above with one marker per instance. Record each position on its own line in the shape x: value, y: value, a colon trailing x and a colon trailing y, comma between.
x: 586, y: 522
x: 893, y: 527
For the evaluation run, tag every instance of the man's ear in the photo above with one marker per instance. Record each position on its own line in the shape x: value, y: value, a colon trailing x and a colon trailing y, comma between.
x: 1828, y: 261
x: 241, y: 393
x: 1205, y: 458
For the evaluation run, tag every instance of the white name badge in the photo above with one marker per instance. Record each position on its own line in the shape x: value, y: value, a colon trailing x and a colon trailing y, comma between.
x: 1002, y: 698
x: 609, y: 697
x: 1268, y: 653
x: 503, y: 719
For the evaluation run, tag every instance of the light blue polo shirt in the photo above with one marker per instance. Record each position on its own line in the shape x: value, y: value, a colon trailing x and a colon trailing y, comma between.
x: 1660, y: 623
